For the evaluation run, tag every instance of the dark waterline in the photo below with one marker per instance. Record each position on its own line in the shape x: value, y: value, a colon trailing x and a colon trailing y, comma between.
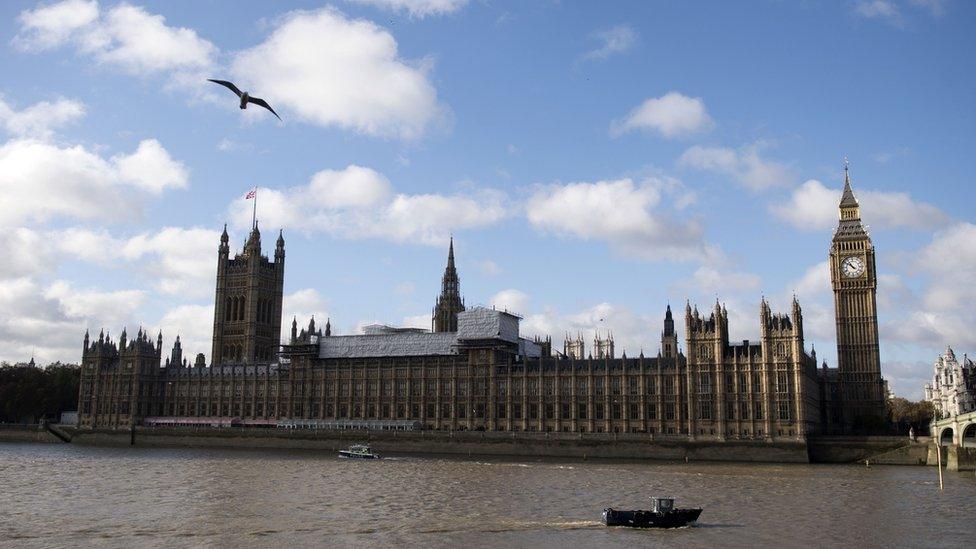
x: 64, y: 495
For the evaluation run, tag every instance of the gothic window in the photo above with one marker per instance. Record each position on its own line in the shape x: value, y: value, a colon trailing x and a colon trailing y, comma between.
x: 782, y: 386
x: 784, y: 410
x: 757, y: 410
x: 598, y: 385
x: 705, y: 409
x: 615, y: 385
x: 703, y: 351
x: 669, y: 410
x: 581, y: 411
x: 502, y: 388
x: 581, y: 387
x: 704, y: 384
x: 652, y: 411
x: 730, y: 410
x: 649, y: 385
x: 634, y: 411
x: 227, y: 309
x: 669, y: 385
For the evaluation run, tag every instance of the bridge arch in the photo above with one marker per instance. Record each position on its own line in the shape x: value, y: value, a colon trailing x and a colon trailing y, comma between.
x: 946, y: 436
x: 969, y: 436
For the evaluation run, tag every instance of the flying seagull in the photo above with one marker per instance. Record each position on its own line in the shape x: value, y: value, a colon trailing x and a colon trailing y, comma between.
x: 245, y: 98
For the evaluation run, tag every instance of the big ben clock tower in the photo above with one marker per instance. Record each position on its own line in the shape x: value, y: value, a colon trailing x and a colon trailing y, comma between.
x: 855, y: 283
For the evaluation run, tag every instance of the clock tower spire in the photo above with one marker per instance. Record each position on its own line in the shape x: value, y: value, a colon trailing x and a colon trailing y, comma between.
x: 854, y: 281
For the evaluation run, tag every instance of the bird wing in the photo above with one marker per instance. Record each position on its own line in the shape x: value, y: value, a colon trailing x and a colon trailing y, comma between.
x: 262, y: 103
x: 226, y: 84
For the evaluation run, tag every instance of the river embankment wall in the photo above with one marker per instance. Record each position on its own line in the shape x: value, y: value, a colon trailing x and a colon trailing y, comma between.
x: 835, y: 449
x: 619, y: 446
x: 26, y: 433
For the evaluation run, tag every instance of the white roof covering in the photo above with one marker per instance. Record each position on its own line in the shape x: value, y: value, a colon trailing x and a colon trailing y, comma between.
x: 478, y: 323
x: 484, y: 323
x: 396, y: 344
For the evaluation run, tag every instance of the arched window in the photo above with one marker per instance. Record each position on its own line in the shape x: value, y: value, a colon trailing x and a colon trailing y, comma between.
x: 227, y: 308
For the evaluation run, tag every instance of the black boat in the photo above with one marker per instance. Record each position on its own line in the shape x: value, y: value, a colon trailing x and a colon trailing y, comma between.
x: 662, y: 515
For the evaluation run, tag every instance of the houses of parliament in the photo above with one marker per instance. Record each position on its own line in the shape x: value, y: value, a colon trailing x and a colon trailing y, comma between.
x: 473, y: 371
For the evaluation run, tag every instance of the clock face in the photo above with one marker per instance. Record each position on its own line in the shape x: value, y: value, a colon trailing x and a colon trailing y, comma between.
x: 852, y: 267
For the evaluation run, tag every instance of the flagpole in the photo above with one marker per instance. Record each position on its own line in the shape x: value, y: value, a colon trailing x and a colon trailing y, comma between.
x: 254, y: 214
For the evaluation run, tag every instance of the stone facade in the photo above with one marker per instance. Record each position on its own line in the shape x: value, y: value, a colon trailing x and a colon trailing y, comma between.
x: 953, y: 388
x: 473, y: 371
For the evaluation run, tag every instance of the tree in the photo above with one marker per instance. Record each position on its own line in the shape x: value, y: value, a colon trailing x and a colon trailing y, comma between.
x: 907, y: 414
x: 28, y: 394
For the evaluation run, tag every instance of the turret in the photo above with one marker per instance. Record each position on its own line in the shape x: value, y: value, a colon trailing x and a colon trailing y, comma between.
x: 294, y: 329
x: 280, y: 247
x: 224, y: 249
x: 122, y: 339
x: 85, y: 349
x: 328, y: 327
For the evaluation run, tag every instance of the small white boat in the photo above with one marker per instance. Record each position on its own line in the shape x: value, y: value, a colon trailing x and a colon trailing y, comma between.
x: 358, y: 451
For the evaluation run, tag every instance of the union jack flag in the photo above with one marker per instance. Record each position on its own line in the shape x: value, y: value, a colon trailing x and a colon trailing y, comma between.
x: 251, y: 194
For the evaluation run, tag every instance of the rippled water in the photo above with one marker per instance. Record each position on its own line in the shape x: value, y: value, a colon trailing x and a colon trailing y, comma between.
x: 59, y: 495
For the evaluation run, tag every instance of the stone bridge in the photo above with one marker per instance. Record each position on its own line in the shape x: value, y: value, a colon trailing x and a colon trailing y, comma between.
x: 957, y: 430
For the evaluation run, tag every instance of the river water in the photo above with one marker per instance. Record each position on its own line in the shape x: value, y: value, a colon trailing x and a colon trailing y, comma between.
x: 55, y: 495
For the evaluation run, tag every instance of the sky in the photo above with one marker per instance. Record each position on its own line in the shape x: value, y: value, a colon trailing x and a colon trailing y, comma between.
x: 593, y: 162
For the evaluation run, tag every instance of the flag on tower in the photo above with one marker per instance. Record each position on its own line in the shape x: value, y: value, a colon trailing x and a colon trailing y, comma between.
x: 253, y: 193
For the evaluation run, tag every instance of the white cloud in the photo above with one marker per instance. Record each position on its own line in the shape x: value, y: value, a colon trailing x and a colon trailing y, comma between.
x: 51, y: 322
x: 744, y: 165
x: 125, y: 36
x: 40, y: 181
x: 935, y: 7
x: 814, y: 207
x: 229, y: 145
x: 878, y: 9
x: 359, y: 202
x: 52, y: 25
x: 632, y: 333
x: 712, y: 280
x: 511, y: 300
x: 423, y: 321
x: 618, y: 39
x: 174, y: 260
x: 950, y: 259
x: 624, y: 214
x: 334, y: 71
x: 417, y: 9
x: 671, y: 115
x: 151, y: 168
x: 302, y: 305
x: 179, y: 261
x: 489, y: 268
x: 194, y: 325
x: 40, y: 119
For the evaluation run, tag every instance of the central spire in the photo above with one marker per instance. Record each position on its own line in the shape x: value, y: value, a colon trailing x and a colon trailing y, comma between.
x: 449, y: 303
x: 848, y: 200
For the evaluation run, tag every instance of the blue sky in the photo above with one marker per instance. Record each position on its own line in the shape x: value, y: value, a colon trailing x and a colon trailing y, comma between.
x: 592, y: 161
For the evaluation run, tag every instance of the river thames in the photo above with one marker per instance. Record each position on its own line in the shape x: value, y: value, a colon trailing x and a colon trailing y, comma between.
x: 66, y: 495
